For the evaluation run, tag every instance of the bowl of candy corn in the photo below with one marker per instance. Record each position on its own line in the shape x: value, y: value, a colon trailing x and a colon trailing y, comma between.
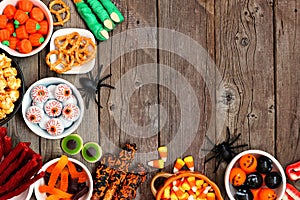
x: 184, y: 184
x: 26, y: 27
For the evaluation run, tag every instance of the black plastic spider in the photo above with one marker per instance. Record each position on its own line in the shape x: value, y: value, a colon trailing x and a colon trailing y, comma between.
x: 224, y: 151
x: 91, y: 86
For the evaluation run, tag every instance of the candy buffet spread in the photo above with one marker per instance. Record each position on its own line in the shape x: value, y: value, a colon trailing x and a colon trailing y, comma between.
x: 53, y: 108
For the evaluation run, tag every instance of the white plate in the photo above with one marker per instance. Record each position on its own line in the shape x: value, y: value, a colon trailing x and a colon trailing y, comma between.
x: 27, y: 102
x: 81, y: 69
x: 42, y: 196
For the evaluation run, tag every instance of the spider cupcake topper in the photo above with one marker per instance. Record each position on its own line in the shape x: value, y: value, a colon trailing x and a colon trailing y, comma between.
x: 224, y: 151
x: 90, y: 87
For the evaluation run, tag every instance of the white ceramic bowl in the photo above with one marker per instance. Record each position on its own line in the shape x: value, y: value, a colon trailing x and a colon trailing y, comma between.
x: 26, y: 195
x: 48, y: 16
x: 257, y: 153
x: 35, y: 127
x: 81, y: 69
x: 42, y: 196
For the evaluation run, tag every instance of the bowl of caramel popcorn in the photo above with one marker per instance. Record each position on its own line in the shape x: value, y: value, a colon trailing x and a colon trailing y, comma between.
x: 12, y: 88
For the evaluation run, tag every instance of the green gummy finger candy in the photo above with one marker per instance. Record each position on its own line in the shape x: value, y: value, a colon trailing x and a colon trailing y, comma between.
x: 91, y: 21
x: 101, y: 13
x: 113, y: 11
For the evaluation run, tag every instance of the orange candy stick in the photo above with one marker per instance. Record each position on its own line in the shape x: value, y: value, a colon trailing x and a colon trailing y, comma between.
x: 163, y: 153
x: 178, y: 165
x: 189, y: 161
x: 54, y: 191
x: 64, y: 180
x: 159, y: 164
x: 63, y: 161
x: 82, y: 176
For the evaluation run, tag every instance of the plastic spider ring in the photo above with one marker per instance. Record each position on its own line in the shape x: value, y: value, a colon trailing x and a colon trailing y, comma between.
x: 57, y: 13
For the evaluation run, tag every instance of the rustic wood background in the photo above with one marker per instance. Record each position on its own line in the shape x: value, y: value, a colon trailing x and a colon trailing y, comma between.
x: 255, y: 47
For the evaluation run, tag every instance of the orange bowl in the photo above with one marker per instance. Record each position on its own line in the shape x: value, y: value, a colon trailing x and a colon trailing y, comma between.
x: 173, y: 177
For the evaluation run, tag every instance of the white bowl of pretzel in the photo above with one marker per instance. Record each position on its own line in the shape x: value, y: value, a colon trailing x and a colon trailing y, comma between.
x: 72, y: 51
x: 45, y: 33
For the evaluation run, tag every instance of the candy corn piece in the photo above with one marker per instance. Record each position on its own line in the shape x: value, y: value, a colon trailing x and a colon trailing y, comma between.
x: 191, y: 197
x: 192, y: 181
x: 180, y: 193
x: 178, y: 165
x: 167, y: 193
x: 189, y: 161
x: 159, y: 164
x: 163, y: 153
x: 185, y: 185
x: 211, y: 196
x: 173, y: 195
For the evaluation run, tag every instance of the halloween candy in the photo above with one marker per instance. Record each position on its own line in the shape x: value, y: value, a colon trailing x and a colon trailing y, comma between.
x: 101, y: 14
x: 293, y: 171
x: 90, y: 19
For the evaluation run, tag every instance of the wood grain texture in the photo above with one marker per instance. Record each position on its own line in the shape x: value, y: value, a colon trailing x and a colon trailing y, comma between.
x: 244, y: 56
x: 184, y: 96
x: 255, y: 48
x: 129, y: 112
x: 287, y: 81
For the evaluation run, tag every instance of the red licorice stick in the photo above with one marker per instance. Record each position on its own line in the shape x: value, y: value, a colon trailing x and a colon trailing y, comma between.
x: 11, y: 156
x: 3, y: 131
x: 22, y: 187
x: 292, y: 191
x: 1, y: 149
x: 7, y: 144
x: 13, y: 166
x: 293, y: 171
x: 35, y: 169
x: 17, y: 178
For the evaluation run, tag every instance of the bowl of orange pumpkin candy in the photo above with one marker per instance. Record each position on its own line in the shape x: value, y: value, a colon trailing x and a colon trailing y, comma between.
x: 184, y: 184
x: 254, y: 174
x: 26, y: 27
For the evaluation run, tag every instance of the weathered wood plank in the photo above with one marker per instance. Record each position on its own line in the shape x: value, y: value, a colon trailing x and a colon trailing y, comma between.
x: 129, y: 113
x: 244, y: 56
x: 188, y: 60
x: 287, y: 81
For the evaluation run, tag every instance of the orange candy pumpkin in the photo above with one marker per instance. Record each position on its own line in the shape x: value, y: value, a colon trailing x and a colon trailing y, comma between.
x: 10, y: 26
x: 25, y: 5
x: 37, y: 14
x: 4, y: 35
x: 36, y: 39
x: 10, y: 11
x: 43, y: 27
x: 24, y: 46
x: 21, y: 32
x: 20, y: 18
x: 237, y: 176
x: 248, y: 163
x: 32, y: 26
x: 3, y: 21
x: 13, y: 41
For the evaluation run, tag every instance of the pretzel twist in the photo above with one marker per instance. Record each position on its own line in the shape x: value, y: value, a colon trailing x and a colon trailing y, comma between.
x: 64, y: 9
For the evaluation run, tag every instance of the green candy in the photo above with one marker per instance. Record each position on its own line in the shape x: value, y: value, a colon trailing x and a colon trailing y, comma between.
x: 90, y: 19
x: 102, y: 14
x: 113, y: 11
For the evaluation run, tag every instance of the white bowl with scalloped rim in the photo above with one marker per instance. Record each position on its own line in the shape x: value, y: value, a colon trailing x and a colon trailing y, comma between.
x: 27, y: 103
x: 49, y: 18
